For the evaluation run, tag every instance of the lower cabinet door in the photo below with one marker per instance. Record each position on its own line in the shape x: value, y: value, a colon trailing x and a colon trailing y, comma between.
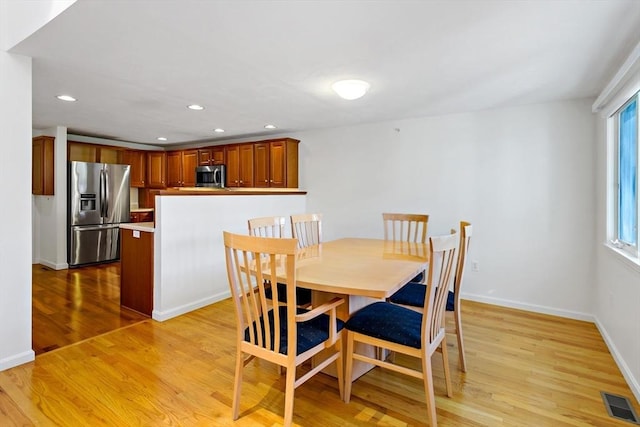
x: 136, y: 271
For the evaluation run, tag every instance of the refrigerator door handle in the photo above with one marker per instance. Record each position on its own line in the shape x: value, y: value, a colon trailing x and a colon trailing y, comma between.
x: 94, y: 227
x: 101, y: 197
x: 106, y: 194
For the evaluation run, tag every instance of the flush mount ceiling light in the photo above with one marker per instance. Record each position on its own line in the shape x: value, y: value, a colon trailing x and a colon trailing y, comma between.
x: 161, y: 138
x: 218, y: 130
x: 269, y: 126
x: 67, y: 98
x: 195, y: 107
x: 350, y: 89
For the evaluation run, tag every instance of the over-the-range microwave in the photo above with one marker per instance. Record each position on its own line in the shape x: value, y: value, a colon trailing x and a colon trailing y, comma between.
x: 210, y: 176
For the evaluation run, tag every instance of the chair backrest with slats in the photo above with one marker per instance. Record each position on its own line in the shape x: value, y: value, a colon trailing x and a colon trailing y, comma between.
x: 405, y: 227
x: 307, y: 228
x: 443, y: 256
x: 268, y: 226
x: 247, y: 280
x: 466, y: 229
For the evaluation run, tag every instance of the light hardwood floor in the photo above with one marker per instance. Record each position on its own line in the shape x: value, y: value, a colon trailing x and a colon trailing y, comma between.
x: 75, y: 304
x: 524, y: 369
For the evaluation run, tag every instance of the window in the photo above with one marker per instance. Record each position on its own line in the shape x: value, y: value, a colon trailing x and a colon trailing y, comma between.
x: 626, y: 175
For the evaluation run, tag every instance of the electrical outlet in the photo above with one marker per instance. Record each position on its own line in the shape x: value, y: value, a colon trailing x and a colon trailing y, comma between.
x: 475, y: 265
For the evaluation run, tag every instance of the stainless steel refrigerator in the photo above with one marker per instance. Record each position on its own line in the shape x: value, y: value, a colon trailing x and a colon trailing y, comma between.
x: 98, y: 203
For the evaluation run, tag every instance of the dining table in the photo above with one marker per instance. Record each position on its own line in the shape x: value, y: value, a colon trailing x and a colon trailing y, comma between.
x: 360, y: 271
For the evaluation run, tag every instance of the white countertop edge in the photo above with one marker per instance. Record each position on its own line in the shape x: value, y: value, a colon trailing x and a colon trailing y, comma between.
x: 147, y: 227
x: 141, y: 210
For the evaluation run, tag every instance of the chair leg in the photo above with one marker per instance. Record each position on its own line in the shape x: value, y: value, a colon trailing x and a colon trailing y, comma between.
x: 288, y: 395
x: 445, y: 360
x: 237, y: 386
x: 339, y: 368
x: 427, y: 377
x: 458, y: 320
x: 349, y: 368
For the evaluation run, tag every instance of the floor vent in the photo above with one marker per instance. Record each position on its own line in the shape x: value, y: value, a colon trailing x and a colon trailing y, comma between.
x: 619, y: 407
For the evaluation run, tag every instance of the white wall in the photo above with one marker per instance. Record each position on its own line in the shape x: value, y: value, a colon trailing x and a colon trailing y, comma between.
x: 523, y: 176
x: 617, y: 287
x: 15, y: 214
x: 50, y: 212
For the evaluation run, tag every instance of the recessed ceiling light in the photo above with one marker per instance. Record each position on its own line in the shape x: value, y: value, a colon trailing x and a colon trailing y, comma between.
x: 351, y: 89
x: 68, y: 98
x: 218, y: 130
x: 195, y: 107
x: 269, y: 127
x: 162, y: 138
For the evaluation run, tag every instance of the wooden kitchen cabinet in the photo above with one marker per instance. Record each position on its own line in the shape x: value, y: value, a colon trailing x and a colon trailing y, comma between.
x: 42, y: 169
x: 80, y: 152
x: 136, y: 270
x: 138, y: 171
x: 239, y: 159
x: 276, y: 163
x: 156, y: 169
x: 261, y: 164
x: 181, y: 168
x: 145, y: 216
x: 95, y: 153
x: 211, y: 156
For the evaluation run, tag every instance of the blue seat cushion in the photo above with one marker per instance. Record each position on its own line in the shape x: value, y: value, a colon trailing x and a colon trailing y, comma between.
x: 303, y: 295
x: 389, y: 322
x: 310, y: 333
x: 413, y: 294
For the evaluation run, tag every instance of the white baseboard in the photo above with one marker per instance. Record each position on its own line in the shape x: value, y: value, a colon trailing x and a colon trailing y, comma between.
x: 17, y: 359
x: 576, y: 315
x: 633, y: 383
x: 54, y: 266
x: 622, y: 365
x: 161, y: 316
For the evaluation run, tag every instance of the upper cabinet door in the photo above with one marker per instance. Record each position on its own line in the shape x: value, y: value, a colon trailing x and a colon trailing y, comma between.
x: 42, y: 171
x: 174, y: 168
x: 204, y: 157
x: 261, y: 164
x: 189, y: 164
x: 156, y: 169
x: 138, y: 162
x: 278, y: 164
x: 246, y: 165
x: 217, y: 155
x: 232, y: 154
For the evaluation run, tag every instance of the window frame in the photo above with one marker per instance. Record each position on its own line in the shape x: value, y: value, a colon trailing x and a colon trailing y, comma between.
x: 630, y: 251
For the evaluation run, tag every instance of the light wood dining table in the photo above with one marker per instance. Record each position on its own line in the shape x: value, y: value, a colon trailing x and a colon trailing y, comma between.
x: 360, y: 271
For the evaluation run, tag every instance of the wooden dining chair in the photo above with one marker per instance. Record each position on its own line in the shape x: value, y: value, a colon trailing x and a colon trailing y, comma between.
x: 268, y: 226
x: 401, y: 227
x: 406, y: 331
x: 412, y: 294
x: 284, y: 334
x: 273, y: 226
x: 307, y: 228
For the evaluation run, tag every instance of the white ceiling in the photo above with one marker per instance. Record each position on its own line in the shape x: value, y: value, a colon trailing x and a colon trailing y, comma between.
x: 134, y: 66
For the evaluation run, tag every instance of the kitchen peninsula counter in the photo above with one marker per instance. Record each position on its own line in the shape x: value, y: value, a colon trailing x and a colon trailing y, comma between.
x: 147, y: 227
x: 189, y: 270
x: 227, y: 191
